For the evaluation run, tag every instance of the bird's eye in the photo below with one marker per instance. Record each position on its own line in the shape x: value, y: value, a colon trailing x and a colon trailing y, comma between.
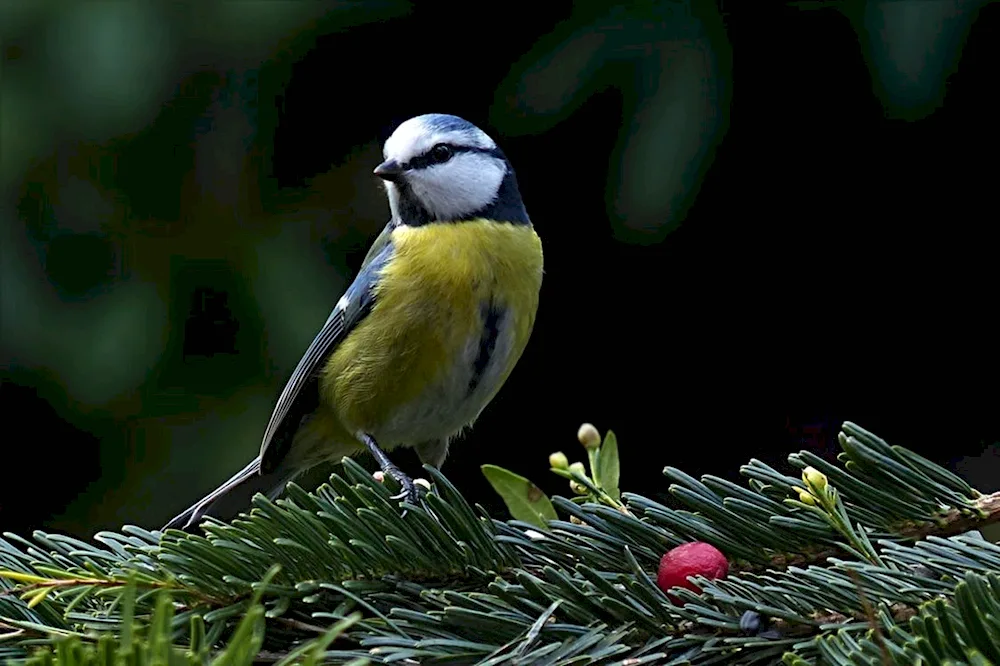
x: 441, y: 153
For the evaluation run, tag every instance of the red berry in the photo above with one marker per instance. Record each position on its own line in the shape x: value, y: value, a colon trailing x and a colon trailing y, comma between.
x: 690, y: 559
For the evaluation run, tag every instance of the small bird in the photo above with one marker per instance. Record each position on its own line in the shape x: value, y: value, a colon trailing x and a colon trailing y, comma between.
x: 438, y: 315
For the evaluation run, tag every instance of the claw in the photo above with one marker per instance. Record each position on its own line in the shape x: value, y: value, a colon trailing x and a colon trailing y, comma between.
x: 412, y: 493
x: 409, y: 491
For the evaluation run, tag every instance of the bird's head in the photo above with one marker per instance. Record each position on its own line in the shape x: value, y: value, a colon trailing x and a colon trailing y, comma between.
x: 441, y: 168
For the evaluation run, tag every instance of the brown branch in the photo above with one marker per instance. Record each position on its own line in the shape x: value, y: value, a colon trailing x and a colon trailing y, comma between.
x: 269, y: 657
x: 955, y: 521
x: 300, y: 625
x: 56, y: 583
x: 873, y: 622
x: 952, y: 522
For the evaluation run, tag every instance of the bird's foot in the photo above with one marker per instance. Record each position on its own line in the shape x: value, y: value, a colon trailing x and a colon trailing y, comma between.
x: 410, y: 491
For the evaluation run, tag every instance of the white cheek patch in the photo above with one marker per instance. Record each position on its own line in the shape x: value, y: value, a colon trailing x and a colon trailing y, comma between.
x: 393, y: 193
x: 466, y: 183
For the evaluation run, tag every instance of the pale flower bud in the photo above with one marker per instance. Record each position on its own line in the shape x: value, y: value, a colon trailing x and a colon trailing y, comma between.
x: 588, y: 436
x: 814, y: 478
x: 558, y: 460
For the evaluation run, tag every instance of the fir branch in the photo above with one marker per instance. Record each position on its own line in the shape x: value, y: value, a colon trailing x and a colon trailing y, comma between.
x: 985, y: 511
x: 960, y: 629
x: 37, y: 584
x: 448, y: 584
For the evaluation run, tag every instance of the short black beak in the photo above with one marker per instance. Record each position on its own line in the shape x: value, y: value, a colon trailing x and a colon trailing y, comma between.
x: 389, y: 170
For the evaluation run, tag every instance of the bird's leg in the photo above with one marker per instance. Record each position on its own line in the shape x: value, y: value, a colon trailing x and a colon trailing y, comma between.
x: 409, y: 488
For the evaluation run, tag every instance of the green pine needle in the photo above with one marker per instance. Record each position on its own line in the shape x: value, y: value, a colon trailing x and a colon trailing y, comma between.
x: 341, y: 576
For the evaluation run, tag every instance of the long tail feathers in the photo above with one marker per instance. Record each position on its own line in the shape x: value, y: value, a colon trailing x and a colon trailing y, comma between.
x: 232, y: 497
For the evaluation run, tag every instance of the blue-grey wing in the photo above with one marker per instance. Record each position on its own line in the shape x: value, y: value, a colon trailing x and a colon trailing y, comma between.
x: 300, y: 397
x: 381, y: 241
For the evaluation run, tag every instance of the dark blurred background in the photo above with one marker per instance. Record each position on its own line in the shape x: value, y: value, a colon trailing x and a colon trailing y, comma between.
x: 758, y: 222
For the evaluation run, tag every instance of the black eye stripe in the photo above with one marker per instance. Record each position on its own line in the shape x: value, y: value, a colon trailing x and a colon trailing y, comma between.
x: 425, y: 160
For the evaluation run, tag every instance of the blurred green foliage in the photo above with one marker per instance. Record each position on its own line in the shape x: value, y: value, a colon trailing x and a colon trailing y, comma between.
x: 134, y: 150
x: 136, y: 139
x: 667, y: 59
x: 912, y: 48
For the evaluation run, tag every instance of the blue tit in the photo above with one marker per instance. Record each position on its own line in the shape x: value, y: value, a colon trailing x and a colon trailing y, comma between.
x: 425, y: 336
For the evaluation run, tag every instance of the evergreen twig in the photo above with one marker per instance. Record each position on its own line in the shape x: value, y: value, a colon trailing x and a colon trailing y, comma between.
x: 893, y: 575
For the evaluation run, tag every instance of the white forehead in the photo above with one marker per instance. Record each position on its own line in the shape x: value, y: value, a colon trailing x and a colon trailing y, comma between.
x: 417, y: 135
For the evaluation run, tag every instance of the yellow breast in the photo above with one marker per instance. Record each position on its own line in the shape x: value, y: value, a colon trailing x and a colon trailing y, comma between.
x: 428, y: 307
